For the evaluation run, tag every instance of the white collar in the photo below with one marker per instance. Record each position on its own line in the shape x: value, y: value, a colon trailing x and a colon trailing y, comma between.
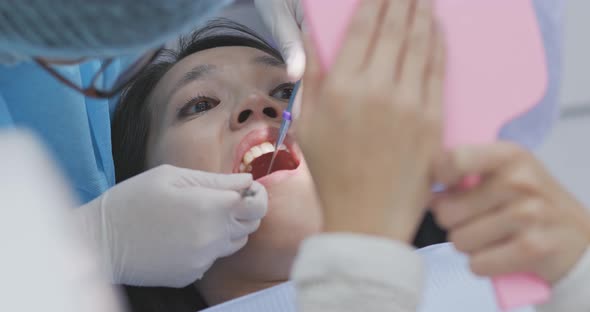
x: 450, y: 286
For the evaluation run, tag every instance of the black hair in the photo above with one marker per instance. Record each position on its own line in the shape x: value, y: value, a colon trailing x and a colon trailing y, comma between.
x: 131, y: 121
x: 131, y: 128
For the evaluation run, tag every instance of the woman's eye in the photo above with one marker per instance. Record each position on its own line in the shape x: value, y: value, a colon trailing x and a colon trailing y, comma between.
x: 283, y: 92
x: 197, y: 106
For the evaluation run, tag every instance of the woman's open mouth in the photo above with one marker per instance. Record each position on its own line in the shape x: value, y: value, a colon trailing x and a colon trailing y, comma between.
x: 258, y: 159
x: 258, y: 156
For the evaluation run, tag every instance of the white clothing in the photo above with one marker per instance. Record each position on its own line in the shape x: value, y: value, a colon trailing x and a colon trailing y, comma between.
x: 323, y: 280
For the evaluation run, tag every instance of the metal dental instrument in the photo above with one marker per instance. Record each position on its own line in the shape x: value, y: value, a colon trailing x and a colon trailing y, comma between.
x: 247, y: 193
x: 284, y: 125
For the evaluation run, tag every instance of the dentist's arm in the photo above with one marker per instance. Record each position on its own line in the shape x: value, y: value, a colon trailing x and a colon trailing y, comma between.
x: 371, y: 162
x: 166, y: 226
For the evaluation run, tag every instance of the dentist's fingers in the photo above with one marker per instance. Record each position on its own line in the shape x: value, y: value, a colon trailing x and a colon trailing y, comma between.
x: 289, y: 37
x: 390, y: 41
x: 284, y: 20
x: 241, y: 229
x: 417, y: 54
x: 189, y: 179
x: 232, y: 247
x: 360, y: 38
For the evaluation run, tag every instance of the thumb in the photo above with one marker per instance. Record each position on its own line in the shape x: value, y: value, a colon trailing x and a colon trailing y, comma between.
x: 193, y: 178
x: 254, y: 207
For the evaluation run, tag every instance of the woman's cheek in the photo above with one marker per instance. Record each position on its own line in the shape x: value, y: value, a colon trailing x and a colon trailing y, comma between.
x: 193, y: 149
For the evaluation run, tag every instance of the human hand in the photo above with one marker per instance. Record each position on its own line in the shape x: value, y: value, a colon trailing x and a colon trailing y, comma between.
x: 518, y: 219
x: 166, y: 226
x: 370, y: 127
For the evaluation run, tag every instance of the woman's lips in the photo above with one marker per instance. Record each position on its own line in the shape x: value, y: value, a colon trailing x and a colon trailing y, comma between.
x: 257, y: 137
x: 278, y: 176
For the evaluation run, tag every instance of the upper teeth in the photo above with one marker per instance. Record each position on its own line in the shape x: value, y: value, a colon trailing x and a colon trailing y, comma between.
x: 257, y: 151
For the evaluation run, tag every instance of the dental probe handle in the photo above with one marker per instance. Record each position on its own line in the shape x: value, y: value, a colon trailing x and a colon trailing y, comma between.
x: 284, y: 125
x: 282, y: 134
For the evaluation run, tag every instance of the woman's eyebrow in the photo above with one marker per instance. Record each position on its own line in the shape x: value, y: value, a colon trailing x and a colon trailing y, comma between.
x: 268, y: 60
x: 196, y: 73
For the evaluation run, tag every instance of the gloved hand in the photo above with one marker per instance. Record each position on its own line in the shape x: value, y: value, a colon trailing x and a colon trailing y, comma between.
x: 166, y: 227
x: 284, y: 19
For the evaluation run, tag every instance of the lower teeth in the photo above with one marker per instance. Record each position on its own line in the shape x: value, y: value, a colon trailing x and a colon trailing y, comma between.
x: 248, y: 168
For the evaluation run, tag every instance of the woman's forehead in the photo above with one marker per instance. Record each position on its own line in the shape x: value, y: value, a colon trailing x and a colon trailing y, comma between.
x: 222, y: 57
x: 208, y: 63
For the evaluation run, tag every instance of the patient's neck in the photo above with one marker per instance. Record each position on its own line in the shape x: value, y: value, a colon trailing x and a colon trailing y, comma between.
x: 217, y: 287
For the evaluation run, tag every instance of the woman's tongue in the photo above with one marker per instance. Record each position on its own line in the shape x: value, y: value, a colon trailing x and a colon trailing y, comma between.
x: 283, y: 161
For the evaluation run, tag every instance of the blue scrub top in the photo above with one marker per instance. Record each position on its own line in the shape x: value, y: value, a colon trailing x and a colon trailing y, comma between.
x: 77, y: 129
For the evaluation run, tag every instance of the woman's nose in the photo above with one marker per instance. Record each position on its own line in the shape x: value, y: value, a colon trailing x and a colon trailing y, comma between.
x: 256, y: 107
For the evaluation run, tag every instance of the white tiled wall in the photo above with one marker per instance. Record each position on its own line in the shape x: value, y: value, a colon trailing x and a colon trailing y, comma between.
x: 577, y: 53
x: 567, y: 150
x: 567, y: 153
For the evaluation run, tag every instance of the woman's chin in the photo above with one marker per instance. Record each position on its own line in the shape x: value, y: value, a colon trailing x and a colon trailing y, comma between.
x: 290, y: 192
x: 294, y: 214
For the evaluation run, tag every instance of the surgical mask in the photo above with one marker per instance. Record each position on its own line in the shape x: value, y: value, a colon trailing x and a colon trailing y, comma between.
x: 72, y: 29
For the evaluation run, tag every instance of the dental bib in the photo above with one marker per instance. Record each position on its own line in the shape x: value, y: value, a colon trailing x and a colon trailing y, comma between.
x: 450, y: 286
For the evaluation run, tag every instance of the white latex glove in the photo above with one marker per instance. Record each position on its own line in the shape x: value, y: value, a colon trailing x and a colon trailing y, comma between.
x: 284, y: 19
x: 166, y: 226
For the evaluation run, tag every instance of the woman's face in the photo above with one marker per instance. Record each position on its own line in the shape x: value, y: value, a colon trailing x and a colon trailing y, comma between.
x: 218, y: 110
